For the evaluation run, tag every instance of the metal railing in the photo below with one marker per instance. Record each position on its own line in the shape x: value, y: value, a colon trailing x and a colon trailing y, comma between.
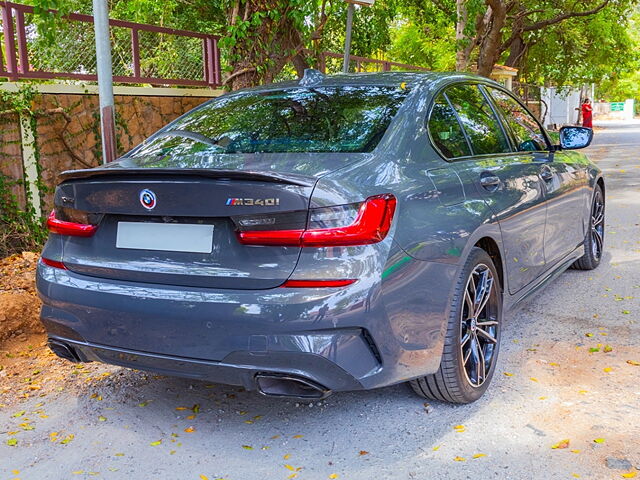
x: 141, y: 53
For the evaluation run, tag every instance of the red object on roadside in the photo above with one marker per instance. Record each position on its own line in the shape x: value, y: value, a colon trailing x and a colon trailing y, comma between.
x: 587, y: 115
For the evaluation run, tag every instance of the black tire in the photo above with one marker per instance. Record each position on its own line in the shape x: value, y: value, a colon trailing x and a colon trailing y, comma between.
x: 594, y: 239
x: 453, y: 382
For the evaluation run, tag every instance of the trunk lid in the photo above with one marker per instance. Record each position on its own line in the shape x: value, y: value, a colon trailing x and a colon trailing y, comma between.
x: 190, y: 201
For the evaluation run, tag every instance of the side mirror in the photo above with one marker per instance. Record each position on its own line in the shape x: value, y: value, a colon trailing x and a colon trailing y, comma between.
x: 572, y: 138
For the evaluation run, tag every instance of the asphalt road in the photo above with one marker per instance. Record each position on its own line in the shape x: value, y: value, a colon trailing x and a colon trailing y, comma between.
x: 548, y: 388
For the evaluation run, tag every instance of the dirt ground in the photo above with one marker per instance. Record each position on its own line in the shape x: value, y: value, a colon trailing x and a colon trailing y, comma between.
x: 564, y: 404
x: 27, y: 367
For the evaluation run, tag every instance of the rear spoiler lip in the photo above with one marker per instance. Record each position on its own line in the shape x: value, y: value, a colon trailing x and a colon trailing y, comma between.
x: 273, y: 177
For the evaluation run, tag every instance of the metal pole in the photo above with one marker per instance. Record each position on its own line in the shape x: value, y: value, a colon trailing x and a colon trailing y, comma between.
x: 347, y: 38
x: 105, y: 79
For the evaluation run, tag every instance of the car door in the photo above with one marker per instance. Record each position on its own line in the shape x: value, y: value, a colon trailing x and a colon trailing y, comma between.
x: 563, y: 176
x: 508, y: 181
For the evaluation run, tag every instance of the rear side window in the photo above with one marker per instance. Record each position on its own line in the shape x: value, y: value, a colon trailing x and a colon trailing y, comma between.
x: 525, y: 129
x: 315, y: 119
x: 479, y: 122
x: 445, y: 130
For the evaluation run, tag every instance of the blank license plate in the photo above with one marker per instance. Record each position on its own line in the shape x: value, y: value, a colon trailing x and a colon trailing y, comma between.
x: 170, y: 237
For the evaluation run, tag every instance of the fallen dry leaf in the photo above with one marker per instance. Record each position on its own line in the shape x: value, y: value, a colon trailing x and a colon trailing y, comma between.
x: 629, y: 474
x: 459, y: 459
x: 203, y: 477
x: 364, y: 452
x: 633, y: 362
x: 479, y: 455
x: 598, y: 440
x: 156, y: 443
x: 247, y: 447
x: 459, y: 428
x: 333, y: 475
x: 189, y: 430
x: 561, y: 444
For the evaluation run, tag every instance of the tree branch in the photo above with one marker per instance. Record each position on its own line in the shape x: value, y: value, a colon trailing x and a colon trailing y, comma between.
x: 560, y: 18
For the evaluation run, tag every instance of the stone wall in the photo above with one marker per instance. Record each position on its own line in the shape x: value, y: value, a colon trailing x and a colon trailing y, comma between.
x: 71, y: 140
x: 11, y: 152
x: 68, y: 132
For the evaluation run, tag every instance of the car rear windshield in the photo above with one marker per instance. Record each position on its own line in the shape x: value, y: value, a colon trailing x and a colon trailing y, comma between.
x: 319, y: 119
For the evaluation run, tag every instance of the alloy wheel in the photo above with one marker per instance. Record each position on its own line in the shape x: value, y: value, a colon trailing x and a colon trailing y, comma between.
x: 479, y: 325
x: 597, y: 225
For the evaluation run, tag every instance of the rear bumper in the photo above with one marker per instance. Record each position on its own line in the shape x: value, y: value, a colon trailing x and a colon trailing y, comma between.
x: 357, y: 337
x: 241, y: 368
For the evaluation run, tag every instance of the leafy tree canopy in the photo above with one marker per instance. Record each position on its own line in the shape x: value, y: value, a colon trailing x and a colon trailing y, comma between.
x: 550, y: 41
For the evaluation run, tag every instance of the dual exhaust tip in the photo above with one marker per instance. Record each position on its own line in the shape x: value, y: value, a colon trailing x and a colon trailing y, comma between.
x: 282, y: 385
x: 269, y: 384
x: 63, y: 351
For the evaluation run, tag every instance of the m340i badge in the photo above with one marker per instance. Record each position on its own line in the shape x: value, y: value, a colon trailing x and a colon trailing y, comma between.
x: 262, y: 202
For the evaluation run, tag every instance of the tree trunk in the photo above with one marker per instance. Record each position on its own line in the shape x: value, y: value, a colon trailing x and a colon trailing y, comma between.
x: 517, y: 52
x: 462, y: 40
x: 492, y: 40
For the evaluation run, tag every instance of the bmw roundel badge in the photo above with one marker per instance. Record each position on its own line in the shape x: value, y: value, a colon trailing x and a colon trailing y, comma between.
x: 148, y: 199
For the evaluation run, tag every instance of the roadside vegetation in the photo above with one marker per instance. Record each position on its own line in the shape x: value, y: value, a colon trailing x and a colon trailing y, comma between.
x: 558, y: 42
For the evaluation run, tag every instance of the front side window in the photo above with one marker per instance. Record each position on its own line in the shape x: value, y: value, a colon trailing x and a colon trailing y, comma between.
x: 314, y: 119
x: 479, y: 122
x: 445, y: 131
x: 526, y: 131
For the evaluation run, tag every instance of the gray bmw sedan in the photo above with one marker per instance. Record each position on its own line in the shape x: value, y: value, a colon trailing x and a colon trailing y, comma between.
x: 334, y: 233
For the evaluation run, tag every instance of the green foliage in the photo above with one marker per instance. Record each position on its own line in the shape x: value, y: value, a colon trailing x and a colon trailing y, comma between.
x: 371, y: 27
x: 429, y: 44
x: 265, y: 34
x: 583, y: 50
x: 21, y: 229
x: 620, y: 85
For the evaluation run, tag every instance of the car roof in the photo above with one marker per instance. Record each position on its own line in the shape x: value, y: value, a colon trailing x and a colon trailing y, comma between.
x: 376, y: 78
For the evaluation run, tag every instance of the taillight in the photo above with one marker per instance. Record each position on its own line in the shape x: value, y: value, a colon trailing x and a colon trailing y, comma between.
x: 53, y: 263
x: 337, y: 226
x: 64, y: 227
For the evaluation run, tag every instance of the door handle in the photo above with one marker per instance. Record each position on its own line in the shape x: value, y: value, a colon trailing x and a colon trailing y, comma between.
x: 489, y: 181
x: 546, y: 173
